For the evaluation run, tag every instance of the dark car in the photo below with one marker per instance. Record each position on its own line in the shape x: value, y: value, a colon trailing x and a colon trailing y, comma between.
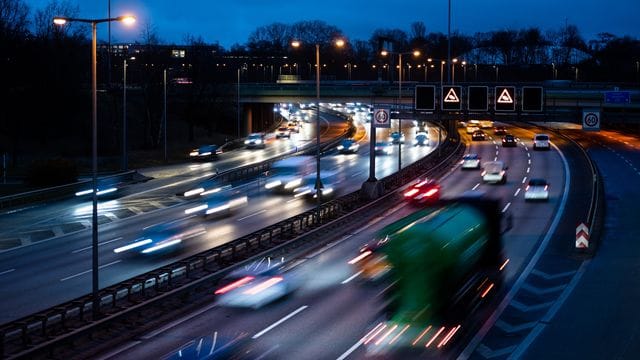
x: 421, y: 139
x: 500, y: 130
x: 205, y: 152
x: 348, y: 146
x: 424, y: 191
x: 396, y: 138
x: 478, y: 135
x: 509, y: 141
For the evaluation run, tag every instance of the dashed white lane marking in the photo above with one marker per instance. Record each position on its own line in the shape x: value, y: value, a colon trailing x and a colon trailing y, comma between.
x: 99, y: 244
x: 506, y: 207
x: 529, y: 161
x: 528, y: 169
x: 88, y: 271
x: 475, y: 187
x: 251, y: 215
x: 7, y: 271
x: 495, y: 158
x: 270, y: 327
x: 524, y: 179
x: 517, y: 192
x: 351, y: 277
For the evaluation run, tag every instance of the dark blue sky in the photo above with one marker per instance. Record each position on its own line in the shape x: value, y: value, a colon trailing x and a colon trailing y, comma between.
x: 231, y: 21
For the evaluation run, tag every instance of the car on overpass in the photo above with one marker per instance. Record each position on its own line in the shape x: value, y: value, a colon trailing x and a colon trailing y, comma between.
x: 471, y: 128
x: 500, y: 130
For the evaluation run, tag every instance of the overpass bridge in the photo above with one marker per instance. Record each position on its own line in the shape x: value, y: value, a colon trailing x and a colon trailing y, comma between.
x: 562, y: 101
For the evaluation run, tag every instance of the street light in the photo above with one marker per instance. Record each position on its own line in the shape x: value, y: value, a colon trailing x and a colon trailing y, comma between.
x: 415, y: 53
x: 464, y: 70
x: 441, y: 72
x: 127, y: 20
x: 453, y: 71
x: 296, y: 44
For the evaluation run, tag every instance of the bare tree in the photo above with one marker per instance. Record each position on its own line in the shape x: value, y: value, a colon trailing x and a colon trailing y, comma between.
x: 14, y: 18
x: 149, y: 34
x: 43, y: 20
x: 418, y: 30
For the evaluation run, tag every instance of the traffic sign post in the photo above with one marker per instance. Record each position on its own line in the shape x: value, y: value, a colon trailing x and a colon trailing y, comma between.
x: 591, y: 119
x: 505, y: 98
x: 532, y: 99
x: 382, y: 118
x: 478, y: 98
x: 425, y: 98
x: 582, y: 236
x: 450, y: 98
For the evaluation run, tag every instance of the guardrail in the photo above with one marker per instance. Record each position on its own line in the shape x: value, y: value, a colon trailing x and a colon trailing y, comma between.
x: 45, y: 333
x: 62, y: 191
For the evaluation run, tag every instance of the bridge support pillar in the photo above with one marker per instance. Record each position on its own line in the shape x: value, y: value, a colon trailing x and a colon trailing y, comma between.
x: 372, y: 189
x: 258, y: 117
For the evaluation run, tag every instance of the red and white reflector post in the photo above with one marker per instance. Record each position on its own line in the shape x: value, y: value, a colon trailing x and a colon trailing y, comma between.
x: 582, y: 236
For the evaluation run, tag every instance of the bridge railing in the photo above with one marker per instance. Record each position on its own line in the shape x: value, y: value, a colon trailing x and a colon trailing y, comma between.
x: 148, y: 295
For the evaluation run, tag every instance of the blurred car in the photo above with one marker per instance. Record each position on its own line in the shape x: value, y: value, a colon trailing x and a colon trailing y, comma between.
x: 293, y: 126
x: 509, y: 141
x: 537, y: 189
x: 205, y: 152
x: 421, y: 139
x: 485, y: 124
x: 288, y: 174
x: 255, y: 140
x: 471, y: 161
x: 282, y: 132
x: 396, y: 137
x: 348, y: 146
x: 541, y: 142
x: 162, y: 238
x: 220, y: 203
x: 478, y: 135
x: 471, y: 128
x: 494, y: 172
x: 500, y: 130
x: 371, y: 263
x: 214, y: 347
x: 423, y: 192
x: 383, y: 148
x: 105, y: 188
x: 256, y: 285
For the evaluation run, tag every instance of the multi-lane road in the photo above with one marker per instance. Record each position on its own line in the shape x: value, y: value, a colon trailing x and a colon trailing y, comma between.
x: 57, y: 269
x: 330, y: 314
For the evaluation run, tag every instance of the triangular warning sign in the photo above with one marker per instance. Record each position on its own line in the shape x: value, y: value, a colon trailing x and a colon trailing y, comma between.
x: 505, y: 97
x: 451, y: 96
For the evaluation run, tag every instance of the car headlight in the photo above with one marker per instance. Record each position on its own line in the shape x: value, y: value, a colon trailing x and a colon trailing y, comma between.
x: 193, y: 153
x: 293, y: 183
x: 246, y: 142
x: 340, y: 147
x: 390, y: 139
x: 258, y: 141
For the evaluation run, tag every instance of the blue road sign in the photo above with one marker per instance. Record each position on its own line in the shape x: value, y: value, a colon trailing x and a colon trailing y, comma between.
x: 617, y: 97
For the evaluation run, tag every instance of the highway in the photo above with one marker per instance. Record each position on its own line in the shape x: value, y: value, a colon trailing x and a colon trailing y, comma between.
x: 57, y: 269
x: 330, y: 314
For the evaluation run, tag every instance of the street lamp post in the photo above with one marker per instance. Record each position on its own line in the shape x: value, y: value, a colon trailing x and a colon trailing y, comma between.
x: 319, y: 186
x: 464, y: 71
x: 94, y: 134
x: 164, y: 114
x: 453, y: 70
x: 124, y: 117
x: 441, y: 72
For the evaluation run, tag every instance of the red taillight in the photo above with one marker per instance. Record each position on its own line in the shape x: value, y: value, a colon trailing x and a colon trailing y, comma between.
x: 234, y: 285
x: 431, y: 192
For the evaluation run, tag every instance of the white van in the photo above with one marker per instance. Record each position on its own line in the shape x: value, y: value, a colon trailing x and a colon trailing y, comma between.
x: 494, y: 172
x: 541, y: 142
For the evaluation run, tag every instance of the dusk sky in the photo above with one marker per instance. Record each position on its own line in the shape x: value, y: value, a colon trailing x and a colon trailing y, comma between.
x: 230, y: 22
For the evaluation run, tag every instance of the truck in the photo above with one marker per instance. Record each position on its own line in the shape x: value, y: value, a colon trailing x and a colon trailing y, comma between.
x: 443, y: 263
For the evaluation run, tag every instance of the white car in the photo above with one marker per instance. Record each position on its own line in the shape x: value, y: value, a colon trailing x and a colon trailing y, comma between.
x: 541, y: 142
x: 255, y: 140
x: 471, y: 128
x: 494, y: 172
x: 255, y: 285
x: 283, y: 132
x: 471, y: 161
x: 537, y: 189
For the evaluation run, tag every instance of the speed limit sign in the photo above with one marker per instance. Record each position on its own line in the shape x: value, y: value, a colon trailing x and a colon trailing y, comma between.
x: 591, y: 120
x: 382, y: 118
